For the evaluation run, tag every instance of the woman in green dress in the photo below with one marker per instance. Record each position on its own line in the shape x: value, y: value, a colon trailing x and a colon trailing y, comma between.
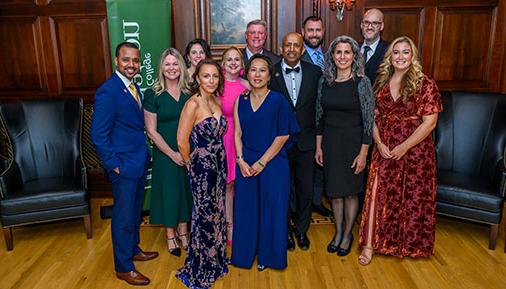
x: 171, y: 199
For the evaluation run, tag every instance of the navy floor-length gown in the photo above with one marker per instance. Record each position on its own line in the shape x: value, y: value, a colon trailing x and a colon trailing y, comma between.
x: 261, y: 202
x: 207, y: 259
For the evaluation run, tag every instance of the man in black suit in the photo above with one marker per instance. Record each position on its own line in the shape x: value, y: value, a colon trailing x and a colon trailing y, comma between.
x: 256, y: 34
x: 298, y: 82
x: 374, y: 47
x: 313, y: 33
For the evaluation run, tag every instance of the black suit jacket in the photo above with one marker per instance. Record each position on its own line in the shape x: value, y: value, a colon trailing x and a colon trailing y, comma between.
x: 273, y: 57
x: 307, y: 58
x: 371, y: 67
x: 305, y: 107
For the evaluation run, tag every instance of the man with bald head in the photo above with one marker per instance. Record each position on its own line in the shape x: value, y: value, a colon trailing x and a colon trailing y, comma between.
x: 298, y: 82
x: 374, y: 47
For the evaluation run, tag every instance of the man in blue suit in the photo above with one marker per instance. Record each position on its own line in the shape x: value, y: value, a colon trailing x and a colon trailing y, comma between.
x: 117, y: 130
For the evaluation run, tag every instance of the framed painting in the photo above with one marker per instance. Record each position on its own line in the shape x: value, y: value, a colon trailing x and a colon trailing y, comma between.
x: 229, y: 19
x: 224, y: 21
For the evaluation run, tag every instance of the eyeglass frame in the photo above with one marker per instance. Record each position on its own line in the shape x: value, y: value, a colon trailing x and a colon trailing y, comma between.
x: 374, y: 24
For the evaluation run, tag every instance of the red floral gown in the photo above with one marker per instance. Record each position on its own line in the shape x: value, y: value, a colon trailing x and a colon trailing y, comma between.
x: 405, y: 199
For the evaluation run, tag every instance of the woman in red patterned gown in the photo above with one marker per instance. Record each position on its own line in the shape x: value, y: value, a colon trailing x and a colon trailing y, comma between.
x: 399, y: 212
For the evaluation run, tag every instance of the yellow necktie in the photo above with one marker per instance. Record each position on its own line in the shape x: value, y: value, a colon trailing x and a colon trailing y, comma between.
x: 134, y: 93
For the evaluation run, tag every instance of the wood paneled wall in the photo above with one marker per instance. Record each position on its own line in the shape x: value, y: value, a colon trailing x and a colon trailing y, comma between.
x: 462, y: 43
x: 53, y: 48
x: 60, y: 48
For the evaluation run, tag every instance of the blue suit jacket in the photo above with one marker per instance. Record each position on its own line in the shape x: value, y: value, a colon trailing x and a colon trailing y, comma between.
x: 117, y: 129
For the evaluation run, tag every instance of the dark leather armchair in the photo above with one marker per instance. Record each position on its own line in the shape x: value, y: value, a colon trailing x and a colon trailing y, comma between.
x: 470, y: 145
x: 46, y: 181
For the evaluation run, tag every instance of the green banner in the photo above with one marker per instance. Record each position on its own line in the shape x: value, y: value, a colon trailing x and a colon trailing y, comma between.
x: 147, y: 24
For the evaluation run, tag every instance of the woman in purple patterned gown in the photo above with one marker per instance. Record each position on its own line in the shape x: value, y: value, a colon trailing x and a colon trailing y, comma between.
x: 202, y: 121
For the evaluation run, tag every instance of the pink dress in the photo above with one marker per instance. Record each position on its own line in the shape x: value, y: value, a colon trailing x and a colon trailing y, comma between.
x: 231, y: 90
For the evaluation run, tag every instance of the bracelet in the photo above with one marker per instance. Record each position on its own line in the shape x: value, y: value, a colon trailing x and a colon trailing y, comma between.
x: 261, y: 164
x: 238, y: 158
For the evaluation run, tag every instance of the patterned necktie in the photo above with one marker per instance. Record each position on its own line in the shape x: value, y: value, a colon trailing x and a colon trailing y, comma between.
x: 133, y: 90
x: 366, y: 53
x: 319, y: 59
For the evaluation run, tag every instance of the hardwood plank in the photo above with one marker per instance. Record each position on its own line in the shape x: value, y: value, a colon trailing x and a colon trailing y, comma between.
x: 58, y: 255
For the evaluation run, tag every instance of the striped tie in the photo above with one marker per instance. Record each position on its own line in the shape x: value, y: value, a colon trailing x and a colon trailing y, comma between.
x: 366, y: 53
x: 133, y: 90
x: 319, y: 59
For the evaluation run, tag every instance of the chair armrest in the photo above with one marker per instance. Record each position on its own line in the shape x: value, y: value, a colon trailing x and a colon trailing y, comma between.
x: 500, y: 176
x: 10, y: 181
x: 81, y: 176
x: 84, y: 178
x: 502, y: 188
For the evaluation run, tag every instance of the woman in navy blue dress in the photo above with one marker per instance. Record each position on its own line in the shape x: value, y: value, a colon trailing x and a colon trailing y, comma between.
x: 264, y: 123
x: 202, y: 120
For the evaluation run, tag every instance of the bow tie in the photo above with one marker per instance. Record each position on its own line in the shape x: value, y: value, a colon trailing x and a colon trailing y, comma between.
x: 289, y: 70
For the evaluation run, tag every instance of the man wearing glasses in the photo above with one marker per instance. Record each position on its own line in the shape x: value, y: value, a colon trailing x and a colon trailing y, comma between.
x: 373, y: 49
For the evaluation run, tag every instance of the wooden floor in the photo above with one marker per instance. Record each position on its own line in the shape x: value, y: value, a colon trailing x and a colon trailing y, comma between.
x: 58, y: 255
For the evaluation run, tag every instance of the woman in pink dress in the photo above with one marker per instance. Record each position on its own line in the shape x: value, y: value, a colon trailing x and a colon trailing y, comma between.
x: 232, y: 65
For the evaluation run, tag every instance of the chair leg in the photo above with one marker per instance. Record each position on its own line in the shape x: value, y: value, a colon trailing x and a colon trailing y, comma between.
x: 494, y: 229
x: 8, y: 238
x: 87, y: 226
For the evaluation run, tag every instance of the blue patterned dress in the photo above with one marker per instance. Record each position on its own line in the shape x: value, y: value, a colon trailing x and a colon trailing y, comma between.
x: 207, y: 259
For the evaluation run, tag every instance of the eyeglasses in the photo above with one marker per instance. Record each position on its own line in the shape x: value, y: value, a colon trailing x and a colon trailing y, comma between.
x: 375, y: 24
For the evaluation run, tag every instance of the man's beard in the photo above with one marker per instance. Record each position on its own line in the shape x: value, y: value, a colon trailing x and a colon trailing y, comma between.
x: 308, y: 43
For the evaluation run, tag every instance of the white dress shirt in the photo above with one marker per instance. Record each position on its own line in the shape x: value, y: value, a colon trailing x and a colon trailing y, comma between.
x: 292, y: 80
x: 373, y: 47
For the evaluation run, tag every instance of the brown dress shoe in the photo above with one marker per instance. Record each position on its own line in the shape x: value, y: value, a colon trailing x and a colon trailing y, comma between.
x: 133, y: 277
x: 145, y: 256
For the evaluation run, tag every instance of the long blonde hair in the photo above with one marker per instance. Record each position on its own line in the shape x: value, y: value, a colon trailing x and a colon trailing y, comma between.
x: 183, y: 83
x: 413, y: 77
